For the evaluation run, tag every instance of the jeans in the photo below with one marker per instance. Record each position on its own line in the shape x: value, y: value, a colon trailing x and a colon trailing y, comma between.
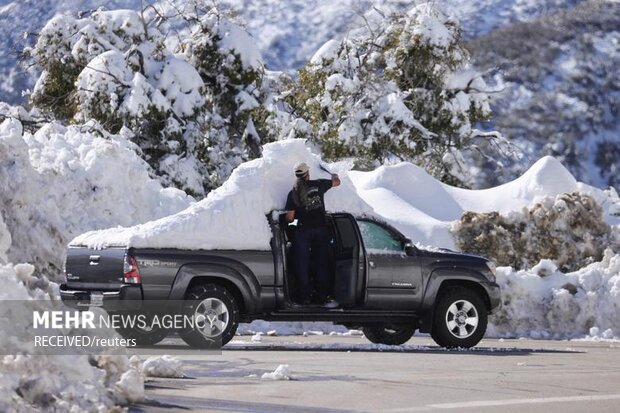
x: 312, y: 243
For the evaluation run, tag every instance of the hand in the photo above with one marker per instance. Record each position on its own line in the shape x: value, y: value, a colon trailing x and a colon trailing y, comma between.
x: 335, y: 180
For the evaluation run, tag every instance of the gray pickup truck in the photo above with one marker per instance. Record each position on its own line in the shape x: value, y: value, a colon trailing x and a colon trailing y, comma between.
x: 386, y: 286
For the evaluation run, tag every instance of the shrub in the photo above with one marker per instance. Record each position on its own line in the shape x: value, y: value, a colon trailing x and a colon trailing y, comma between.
x: 569, y: 229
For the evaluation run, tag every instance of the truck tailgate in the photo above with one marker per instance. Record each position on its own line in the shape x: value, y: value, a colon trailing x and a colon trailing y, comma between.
x: 88, y: 268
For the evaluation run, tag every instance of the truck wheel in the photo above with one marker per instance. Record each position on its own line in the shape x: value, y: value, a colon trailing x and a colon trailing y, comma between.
x: 392, y: 335
x: 216, y: 313
x: 144, y: 336
x: 460, y: 318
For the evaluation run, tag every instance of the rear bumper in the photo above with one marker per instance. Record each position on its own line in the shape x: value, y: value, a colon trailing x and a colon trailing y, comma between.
x: 127, y: 297
x: 495, y: 296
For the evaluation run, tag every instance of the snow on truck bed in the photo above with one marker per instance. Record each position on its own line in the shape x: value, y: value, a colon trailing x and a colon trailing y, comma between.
x: 233, y: 216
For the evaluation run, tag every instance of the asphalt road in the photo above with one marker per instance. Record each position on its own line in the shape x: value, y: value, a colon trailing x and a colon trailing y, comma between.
x: 339, y: 374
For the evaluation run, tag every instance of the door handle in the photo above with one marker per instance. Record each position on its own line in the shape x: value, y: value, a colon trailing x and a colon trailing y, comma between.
x: 372, y: 264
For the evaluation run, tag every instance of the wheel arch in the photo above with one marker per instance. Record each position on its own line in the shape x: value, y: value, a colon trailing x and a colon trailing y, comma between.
x: 244, y: 288
x: 442, y: 280
x: 471, y: 285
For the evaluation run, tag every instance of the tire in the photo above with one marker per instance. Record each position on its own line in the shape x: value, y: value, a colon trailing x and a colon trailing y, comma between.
x: 144, y: 337
x: 215, y: 303
x: 386, y: 334
x: 460, y: 318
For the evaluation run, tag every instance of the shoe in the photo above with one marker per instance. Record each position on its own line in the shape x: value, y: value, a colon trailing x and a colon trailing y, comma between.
x: 303, y: 304
x: 331, y: 304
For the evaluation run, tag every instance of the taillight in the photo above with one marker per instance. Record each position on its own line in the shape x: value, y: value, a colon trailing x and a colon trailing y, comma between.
x: 131, y: 273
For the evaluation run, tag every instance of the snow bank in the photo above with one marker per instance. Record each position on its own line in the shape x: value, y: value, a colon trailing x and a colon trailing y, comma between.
x: 424, y: 208
x: 5, y: 241
x: 62, y: 181
x: 545, y: 303
x: 56, y: 383
x: 234, y: 215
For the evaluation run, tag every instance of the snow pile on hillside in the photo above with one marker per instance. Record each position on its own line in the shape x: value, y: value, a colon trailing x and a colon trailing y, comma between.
x: 562, y: 67
x: 545, y: 303
x: 234, y: 215
x: 62, y: 181
x: 288, y: 33
x: 424, y: 208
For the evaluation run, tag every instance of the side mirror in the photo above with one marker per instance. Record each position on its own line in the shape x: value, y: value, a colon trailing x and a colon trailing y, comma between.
x: 410, y: 249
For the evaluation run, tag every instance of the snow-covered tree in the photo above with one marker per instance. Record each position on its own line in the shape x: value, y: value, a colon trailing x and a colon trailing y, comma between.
x: 400, y: 88
x: 189, y: 104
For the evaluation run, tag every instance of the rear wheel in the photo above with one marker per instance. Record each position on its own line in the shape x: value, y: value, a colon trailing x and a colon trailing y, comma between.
x: 460, y: 318
x: 386, y: 334
x: 147, y: 336
x: 216, y: 316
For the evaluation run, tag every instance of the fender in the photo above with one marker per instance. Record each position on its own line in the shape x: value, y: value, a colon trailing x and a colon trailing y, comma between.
x: 227, y: 270
x: 440, y: 275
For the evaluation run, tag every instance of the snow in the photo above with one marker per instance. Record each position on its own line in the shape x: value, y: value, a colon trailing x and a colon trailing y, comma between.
x: 258, y: 328
x: 234, y: 215
x: 62, y: 181
x: 5, y: 241
x: 163, y: 366
x: 51, y: 382
x: 282, y: 372
x: 430, y: 26
x: 130, y: 387
x: 238, y: 41
x: 423, y: 208
x: 554, y: 305
x: 328, y: 51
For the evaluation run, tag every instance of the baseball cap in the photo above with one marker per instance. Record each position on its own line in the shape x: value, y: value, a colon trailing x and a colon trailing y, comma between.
x: 301, y: 168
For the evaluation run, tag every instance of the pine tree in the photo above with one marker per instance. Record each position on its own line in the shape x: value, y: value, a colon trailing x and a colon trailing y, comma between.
x: 194, y: 106
x: 399, y: 89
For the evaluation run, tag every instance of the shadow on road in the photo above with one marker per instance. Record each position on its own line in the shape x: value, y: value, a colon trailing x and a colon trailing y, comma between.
x: 165, y: 403
x: 368, y: 348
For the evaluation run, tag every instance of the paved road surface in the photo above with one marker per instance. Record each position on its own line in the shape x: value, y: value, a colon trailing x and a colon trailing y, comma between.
x: 341, y: 374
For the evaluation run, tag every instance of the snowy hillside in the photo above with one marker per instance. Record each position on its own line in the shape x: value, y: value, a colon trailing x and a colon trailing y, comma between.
x: 287, y: 33
x: 561, y: 91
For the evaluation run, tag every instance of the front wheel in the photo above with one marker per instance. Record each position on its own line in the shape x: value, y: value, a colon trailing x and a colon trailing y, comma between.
x: 215, y: 313
x: 392, y: 335
x: 460, y: 318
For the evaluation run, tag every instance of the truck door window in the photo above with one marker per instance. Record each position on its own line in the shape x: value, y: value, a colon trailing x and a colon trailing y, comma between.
x: 378, y: 239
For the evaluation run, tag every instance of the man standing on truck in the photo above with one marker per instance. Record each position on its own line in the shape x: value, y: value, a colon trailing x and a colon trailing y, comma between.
x: 306, y: 204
